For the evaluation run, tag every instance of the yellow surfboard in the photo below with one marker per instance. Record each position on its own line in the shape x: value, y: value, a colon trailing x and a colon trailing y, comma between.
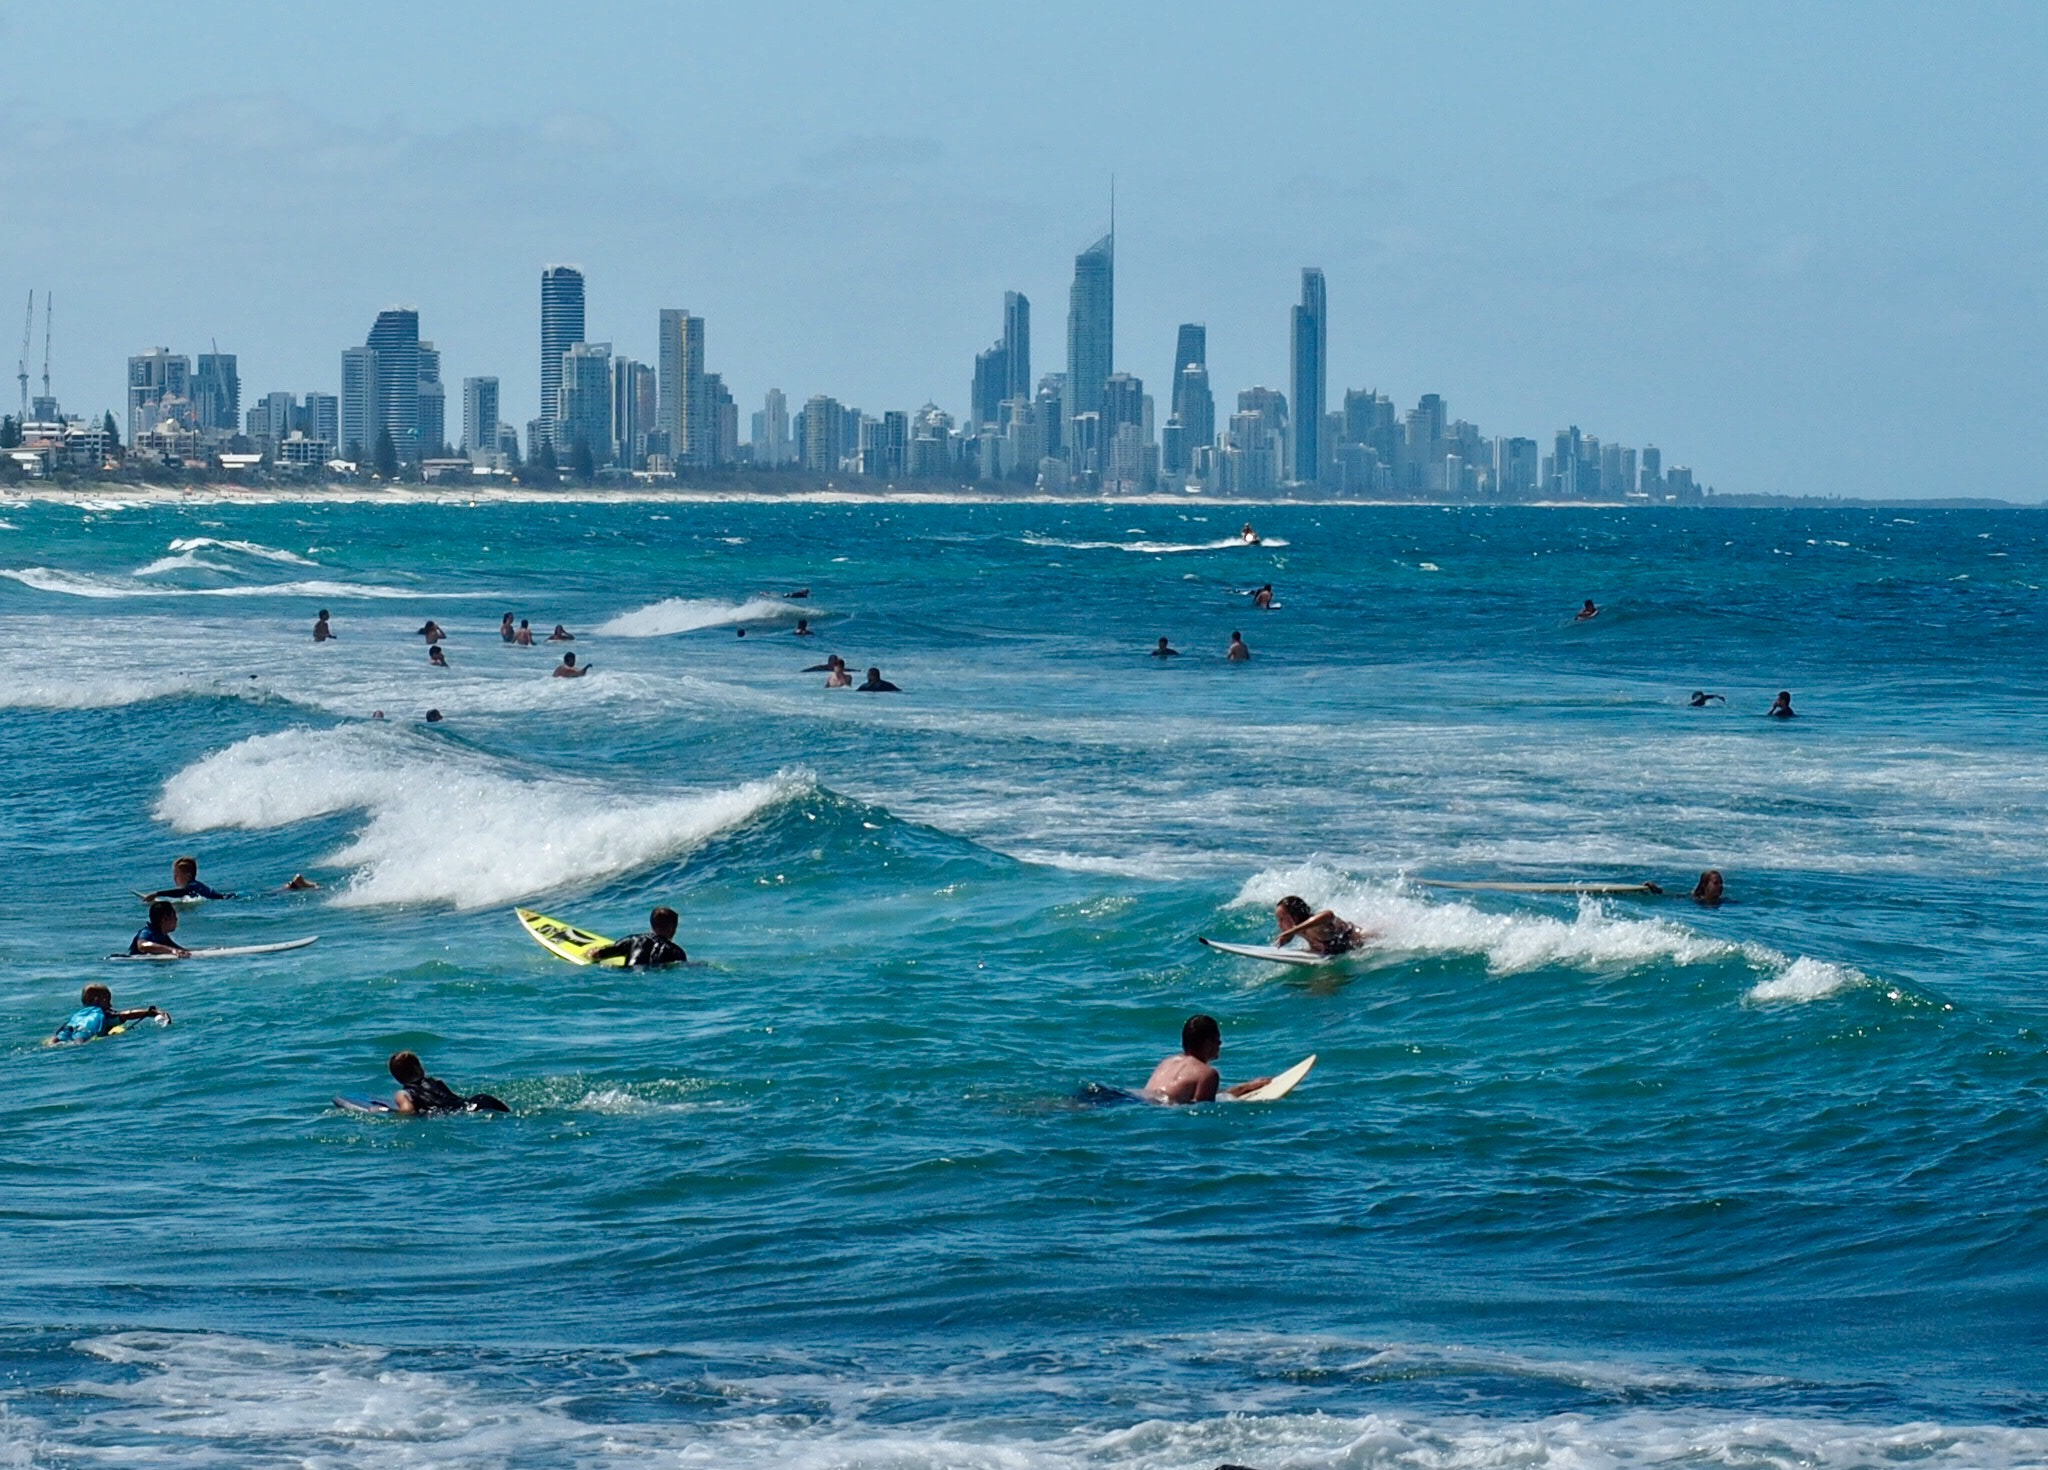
x: 565, y: 940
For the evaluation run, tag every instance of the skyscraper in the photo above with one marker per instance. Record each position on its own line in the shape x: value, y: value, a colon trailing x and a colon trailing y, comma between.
x: 1310, y: 357
x: 159, y: 387
x: 217, y: 393
x: 480, y: 416
x: 395, y: 338
x: 361, y: 415
x: 561, y: 327
x: 1183, y: 433
x: 433, y: 402
x: 586, y: 402
x: 771, y: 431
x: 320, y: 419
x: 1091, y: 328
x: 1017, y: 339
x: 685, y: 410
x: 628, y: 431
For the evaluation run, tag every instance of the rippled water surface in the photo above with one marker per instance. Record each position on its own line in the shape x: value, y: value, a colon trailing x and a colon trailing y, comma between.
x: 1575, y: 1182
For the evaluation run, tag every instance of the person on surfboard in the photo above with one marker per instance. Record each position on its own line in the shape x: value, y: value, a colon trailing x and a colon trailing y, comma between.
x: 1191, y: 1075
x: 96, y: 1016
x: 1588, y: 611
x: 1263, y: 598
x: 1323, y: 933
x: 185, y: 882
x: 419, y: 1093
x: 648, y: 951
x: 1708, y: 892
x: 155, y: 936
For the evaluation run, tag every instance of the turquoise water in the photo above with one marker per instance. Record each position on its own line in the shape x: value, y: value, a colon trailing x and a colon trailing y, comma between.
x: 1574, y: 1183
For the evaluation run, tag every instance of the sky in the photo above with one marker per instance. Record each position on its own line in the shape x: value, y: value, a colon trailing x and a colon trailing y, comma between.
x: 1802, y: 248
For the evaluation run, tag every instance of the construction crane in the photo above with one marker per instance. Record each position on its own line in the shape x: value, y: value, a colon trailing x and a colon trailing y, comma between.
x: 46, y: 346
x: 28, y: 326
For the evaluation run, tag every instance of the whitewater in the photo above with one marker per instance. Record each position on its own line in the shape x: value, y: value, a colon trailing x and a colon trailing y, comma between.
x: 1578, y: 1181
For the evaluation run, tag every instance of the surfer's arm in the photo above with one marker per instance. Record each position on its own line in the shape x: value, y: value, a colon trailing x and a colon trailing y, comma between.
x: 1244, y: 1087
x: 1288, y: 933
x: 618, y: 949
x: 122, y: 1018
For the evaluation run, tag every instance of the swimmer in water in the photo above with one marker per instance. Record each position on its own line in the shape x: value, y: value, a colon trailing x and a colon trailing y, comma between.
x: 524, y: 637
x: 322, y: 630
x: 1707, y: 893
x: 1781, y: 708
x: 434, y: 717
x: 155, y: 936
x: 432, y: 631
x: 568, y: 669
x: 1263, y: 598
x: 1588, y: 611
x: 803, y: 628
x: 435, y: 657
x: 1237, y: 653
x: 832, y: 661
x: 876, y: 684
x: 1190, y: 1076
x: 421, y: 1094
x: 1165, y: 650
x: 561, y: 635
x: 1701, y: 699
x: 505, y: 629
x: 1323, y: 933
x: 300, y: 883
x: 839, y: 678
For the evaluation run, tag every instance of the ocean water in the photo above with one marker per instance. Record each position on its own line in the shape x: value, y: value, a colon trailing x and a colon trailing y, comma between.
x: 1575, y: 1182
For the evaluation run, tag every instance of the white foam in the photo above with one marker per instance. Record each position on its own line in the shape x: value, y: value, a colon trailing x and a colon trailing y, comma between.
x: 446, y: 825
x: 184, y: 562
x: 682, y: 614
x: 1155, y: 548
x: 247, y: 548
x: 88, y: 584
x: 1807, y: 979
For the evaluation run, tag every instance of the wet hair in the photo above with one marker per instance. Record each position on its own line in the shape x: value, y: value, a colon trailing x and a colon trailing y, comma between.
x: 1296, y: 908
x: 407, y: 1067
x: 433, y: 717
x: 162, y: 909
x: 569, y: 659
x: 186, y: 861
x: 323, y: 614
x: 97, y: 995
x: 1198, y: 1032
x: 522, y: 622
x: 1784, y: 696
x: 663, y: 920
x: 1235, y: 636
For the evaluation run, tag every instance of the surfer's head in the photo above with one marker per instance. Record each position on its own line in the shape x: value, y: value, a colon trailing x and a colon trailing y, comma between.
x: 1294, y: 909
x: 1201, y: 1037
x: 406, y: 1067
x: 663, y: 922
x: 163, y: 916
x: 97, y: 995
x: 184, y: 869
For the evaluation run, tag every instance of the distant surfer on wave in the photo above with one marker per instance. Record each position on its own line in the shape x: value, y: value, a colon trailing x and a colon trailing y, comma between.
x: 185, y: 882
x: 96, y: 1016
x: 1322, y: 932
x: 568, y: 669
x: 648, y: 951
x: 1781, y: 708
x: 1165, y: 650
x: 419, y: 1093
x: 1588, y: 611
x: 155, y: 936
x: 1191, y: 1075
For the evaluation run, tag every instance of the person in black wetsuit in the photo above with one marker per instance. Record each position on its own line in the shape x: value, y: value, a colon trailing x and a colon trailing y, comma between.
x: 419, y: 1093
x: 185, y: 882
x: 1701, y: 699
x: 155, y: 936
x: 876, y: 684
x: 646, y: 951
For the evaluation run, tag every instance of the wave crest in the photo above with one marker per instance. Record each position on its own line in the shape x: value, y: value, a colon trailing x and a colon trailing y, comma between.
x: 684, y: 614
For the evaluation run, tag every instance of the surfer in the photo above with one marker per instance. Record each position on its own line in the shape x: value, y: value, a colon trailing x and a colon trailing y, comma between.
x: 1588, y: 611
x: 419, y: 1093
x: 1701, y: 699
x: 832, y: 661
x: 505, y: 629
x: 96, y: 1016
x: 1323, y: 933
x: 432, y: 631
x: 1781, y: 707
x: 648, y: 951
x: 322, y: 631
x: 1191, y: 1076
x: 155, y: 936
x: 435, y: 657
x: 561, y: 635
x: 1263, y: 598
x: 1707, y: 893
x: 568, y: 669
x: 300, y: 883
x: 876, y: 684
x: 800, y: 592
x: 1165, y: 650
x: 1237, y: 653
x: 1248, y: 536
x: 524, y: 637
x: 185, y: 882
x: 803, y: 628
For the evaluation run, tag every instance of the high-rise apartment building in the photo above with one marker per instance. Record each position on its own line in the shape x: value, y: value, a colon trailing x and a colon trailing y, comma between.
x: 561, y: 327
x: 628, y: 429
x: 586, y: 402
x: 1017, y: 339
x: 433, y: 402
x: 217, y: 394
x: 159, y: 388
x: 771, y: 431
x: 685, y: 408
x: 1091, y: 329
x: 395, y: 339
x: 1310, y: 359
x: 824, y: 441
x: 319, y: 419
x: 480, y: 415
x: 361, y: 413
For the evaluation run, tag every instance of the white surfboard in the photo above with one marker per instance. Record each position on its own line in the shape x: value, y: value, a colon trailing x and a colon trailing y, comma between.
x: 183, y: 903
x: 1268, y: 952
x: 1593, y: 889
x: 225, y: 952
x: 1280, y: 1086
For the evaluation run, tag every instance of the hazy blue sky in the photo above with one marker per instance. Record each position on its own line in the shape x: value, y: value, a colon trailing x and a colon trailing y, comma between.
x: 1801, y: 247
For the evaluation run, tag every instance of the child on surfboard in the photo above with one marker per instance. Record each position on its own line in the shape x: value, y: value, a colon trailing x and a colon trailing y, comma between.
x: 185, y: 882
x: 1191, y: 1075
x: 646, y: 951
x: 96, y: 1016
x: 155, y: 936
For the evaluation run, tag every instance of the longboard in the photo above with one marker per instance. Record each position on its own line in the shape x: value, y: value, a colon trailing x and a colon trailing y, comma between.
x: 225, y: 952
x: 566, y: 941
x: 1302, y: 957
x: 1594, y: 889
x: 363, y: 1105
x: 1280, y: 1086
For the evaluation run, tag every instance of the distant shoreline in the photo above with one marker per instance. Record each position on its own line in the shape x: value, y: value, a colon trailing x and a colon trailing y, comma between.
x: 342, y: 493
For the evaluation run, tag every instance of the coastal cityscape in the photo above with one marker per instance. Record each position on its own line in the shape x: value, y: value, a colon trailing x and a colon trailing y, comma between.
x: 613, y: 419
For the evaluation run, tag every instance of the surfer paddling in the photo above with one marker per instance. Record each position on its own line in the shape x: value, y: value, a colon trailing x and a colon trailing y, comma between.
x: 1263, y: 598
x: 1322, y: 932
x: 1588, y: 611
x: 1708, y: 893
x: 1191, y: 1075
x: 1701, y: 699
x: 648, y: 951
x: 185, y: 882
x: 96, y: 1016
x: 419, y: 1093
